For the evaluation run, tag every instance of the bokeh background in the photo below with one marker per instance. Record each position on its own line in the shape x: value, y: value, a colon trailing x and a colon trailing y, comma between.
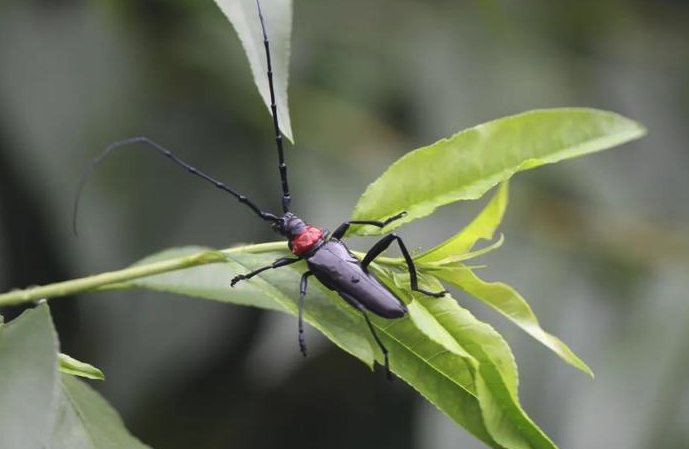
x: 599, y: 246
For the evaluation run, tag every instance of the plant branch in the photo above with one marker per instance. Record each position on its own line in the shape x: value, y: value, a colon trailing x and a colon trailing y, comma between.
x: 113, y: 280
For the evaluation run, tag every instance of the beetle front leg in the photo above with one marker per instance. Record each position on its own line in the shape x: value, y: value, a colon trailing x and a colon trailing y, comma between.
x: 302, y: 292
x: 277, y: 264
x: 382, y: 245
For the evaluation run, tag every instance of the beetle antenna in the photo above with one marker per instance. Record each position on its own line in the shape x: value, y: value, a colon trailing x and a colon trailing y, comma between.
x: 286, y: 199
x: 151, y: 144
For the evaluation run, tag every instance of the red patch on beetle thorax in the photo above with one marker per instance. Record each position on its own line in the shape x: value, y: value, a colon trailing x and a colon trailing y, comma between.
x: 304, y: 241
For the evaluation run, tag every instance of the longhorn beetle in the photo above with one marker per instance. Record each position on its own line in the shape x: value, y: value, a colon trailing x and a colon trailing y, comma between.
x: 326, y: 255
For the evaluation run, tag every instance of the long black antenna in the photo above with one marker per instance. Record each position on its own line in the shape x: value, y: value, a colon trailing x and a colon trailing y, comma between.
x: 286, y: 199
x: 267, y: 216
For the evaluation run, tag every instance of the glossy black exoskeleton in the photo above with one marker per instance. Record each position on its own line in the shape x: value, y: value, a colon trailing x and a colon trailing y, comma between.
x: 331, y: 262
x: 326, y: 255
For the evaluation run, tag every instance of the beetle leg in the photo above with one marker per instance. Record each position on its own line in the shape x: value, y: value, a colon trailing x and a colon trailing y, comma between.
x: 277, y: 264
x: 302, y: 292
x: 382, y: 245
x: 342, y: 229
x: 382, y: 347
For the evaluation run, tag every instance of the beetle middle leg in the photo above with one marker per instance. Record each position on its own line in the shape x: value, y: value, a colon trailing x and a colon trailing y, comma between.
x: 382, y: 245
x: 342, y: 229
x: 283, y: 261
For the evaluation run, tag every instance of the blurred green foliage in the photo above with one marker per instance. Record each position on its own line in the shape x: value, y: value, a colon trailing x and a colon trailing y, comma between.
x: 598, y: 245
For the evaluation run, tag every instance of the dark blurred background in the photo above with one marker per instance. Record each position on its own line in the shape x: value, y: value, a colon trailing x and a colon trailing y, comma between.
x: 599, y: 246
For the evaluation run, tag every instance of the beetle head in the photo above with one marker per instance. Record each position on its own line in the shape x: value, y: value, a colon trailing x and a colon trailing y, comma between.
x: 289, y: 225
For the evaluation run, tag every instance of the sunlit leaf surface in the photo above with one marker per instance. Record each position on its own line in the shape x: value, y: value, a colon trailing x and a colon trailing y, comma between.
x: 468, y: 164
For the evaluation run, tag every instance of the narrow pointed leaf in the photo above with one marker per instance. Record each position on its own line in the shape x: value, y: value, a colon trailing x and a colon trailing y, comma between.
x: 444, y: 377
x: 496, y: 376
x: 70, y: 365
x: 482, y: 227
x: 468, y: 164
x: 511, y: 304
x: 243, y: 14
x: 86, y: 421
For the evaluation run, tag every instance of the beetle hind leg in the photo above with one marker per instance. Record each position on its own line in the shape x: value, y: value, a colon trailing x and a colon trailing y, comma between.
x: 382, y: 347
x: 360, y: 307
x: 382, y: 245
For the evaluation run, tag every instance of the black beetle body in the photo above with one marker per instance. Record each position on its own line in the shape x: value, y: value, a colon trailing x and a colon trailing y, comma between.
x: 337, y: 268
x: 331, y: 262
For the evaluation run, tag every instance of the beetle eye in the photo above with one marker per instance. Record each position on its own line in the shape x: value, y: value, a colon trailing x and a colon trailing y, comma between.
x: 279, y: 227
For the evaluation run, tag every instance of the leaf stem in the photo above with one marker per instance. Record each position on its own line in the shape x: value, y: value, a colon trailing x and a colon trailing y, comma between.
x: 112, y: 278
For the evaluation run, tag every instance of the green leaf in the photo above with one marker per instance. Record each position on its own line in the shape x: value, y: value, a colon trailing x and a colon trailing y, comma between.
x: 426, y: 356
x: 482, y: 227
x: 344, y: 326
x: 459, y: 364
x: 38, y: 410
x: 511, y: 304
x: 499, y: 296
x: 207, y: 281
x: 496, y: 372
x: 275, y: 290
x: 28, y: 379
x: 469, y: 163
x: 243, y: 14
x: 86, y: 421
x: 75, y: 367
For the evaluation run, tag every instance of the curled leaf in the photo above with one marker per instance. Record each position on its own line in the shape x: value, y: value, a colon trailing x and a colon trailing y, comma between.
x: 482, y: 227
x: 70, y: 365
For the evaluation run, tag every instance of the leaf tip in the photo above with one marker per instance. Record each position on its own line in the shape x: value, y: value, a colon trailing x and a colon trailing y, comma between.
x: 70, y: 365
x: 579, y: 364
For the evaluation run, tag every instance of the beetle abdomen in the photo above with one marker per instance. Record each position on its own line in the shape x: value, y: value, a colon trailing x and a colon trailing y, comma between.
x: 339, y: 270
